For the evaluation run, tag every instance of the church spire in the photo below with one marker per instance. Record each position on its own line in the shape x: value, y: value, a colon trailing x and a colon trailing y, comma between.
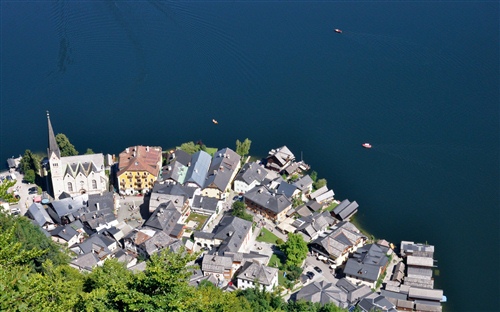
x: 53, y: 147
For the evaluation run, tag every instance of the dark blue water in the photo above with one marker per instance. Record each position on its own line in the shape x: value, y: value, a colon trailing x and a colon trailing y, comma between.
x: 417, y: 80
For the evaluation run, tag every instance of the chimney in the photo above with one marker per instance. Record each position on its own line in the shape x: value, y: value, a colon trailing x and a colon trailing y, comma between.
x: 147, y: 148
x: 97, y: 205
x: 127, y: 150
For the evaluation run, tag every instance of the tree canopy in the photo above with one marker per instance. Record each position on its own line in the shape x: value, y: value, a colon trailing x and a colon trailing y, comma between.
x: 29, y: 161
x: 295, y: 249
x: 243, y: 148
x: 65, y: 146
x: 89, y: 151
x: 190, y: 147
x: 319, y: 183
x: 239, y: 211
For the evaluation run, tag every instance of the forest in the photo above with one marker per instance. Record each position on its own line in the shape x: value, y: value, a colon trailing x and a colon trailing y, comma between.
x: 35, y: 276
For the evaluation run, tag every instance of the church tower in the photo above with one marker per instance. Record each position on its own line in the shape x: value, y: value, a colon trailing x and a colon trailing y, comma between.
x: 54, y: 156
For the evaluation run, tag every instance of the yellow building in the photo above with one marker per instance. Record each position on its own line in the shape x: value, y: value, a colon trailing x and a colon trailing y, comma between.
x: 138, y: 169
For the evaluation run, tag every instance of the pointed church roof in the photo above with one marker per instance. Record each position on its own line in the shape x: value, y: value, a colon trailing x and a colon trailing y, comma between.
x: 53, y: 147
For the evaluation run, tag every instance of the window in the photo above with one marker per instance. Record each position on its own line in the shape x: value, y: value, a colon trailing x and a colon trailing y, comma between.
x: 70, y: 187
x: 94, y: 184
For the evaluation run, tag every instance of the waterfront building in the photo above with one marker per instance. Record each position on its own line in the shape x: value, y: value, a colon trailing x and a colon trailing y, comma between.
x: 223, y: 168
x: 138, y: 169
x: 280, y: 158
x: 367, y: 264
x: 251, y: 175
x: 74, y: 175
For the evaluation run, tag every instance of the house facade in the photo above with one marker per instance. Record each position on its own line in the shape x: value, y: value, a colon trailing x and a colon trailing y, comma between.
x: 251, y: 175
x: 138, y: 169
x: 266, y: 202
x: 255, y: 274
x: 223, y: 168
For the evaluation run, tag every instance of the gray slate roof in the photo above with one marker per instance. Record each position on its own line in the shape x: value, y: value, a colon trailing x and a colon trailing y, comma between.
x: 38, y: 213
x: 303, y: 183
x: 65, y: 232
x: 367, y: 262
x: 343, y: 237
x: 346, y: 209
x: 286, y: 189
x: 104, y: 201
x: 254, y: 271
x: 175, y: 171
x: 266, y: 198
x: 323, y: 292
x: 232, y: 231
x: 251, y: 172
x: 205, y: 203
x: 164, y: 218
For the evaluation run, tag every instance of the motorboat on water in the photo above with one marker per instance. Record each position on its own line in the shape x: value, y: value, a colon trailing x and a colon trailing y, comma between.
x: 338, y: 31
x: 366, y: 145
x: 215, y: 121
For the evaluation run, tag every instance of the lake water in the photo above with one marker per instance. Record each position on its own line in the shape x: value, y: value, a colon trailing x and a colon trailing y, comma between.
x: 418, y: 80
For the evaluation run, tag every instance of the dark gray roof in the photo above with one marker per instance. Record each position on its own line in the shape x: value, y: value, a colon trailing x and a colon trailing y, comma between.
x: 86, y: 261
x: 65, y: 232
x: 232, y: 231
x: 164, y: 218
x: 314, y: 205
x: 367, y: 262
x: 38, y: 213
x: 205, y: 203
x: 157, y: 243
x: 303, y: 211
x: 354, y: 293
x: 286, y: 189
x: 251, y: 172
x: 104, y: 201
x: 376, y: 303
x: 323, y: 292
x: 348, y: 211
x: 254, y: 271
x: 303, y: 183
x: 222, y: 167
x: 182, y: 157
x: 96, y: 244
x: 204, y: 235
x: 391, y: 294
x: 267, y: 199
x: 197, y: 172
x: 174, y: 189
x: 175, y: 171
x: 343, y: 237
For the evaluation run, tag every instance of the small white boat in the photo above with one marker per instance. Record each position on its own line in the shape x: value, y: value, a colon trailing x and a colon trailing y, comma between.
x: 215, y: 121
x: 338, y: 31
x: 366, y: 145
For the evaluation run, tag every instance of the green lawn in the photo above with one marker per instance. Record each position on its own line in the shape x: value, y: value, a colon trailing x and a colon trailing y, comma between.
x: 198, y: 218
x: 281, y: 278
x: 276, y: 260
x: 211, y: 150
x: 266, y: 236
x: 331, y: 207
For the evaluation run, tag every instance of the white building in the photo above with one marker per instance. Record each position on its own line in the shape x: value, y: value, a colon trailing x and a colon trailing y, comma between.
x: 81, y: 174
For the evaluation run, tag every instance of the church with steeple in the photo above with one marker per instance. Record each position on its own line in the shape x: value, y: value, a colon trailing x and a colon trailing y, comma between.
x: 74, y: 175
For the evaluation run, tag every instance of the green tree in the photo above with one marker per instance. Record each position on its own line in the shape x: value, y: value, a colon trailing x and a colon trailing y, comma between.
x: 243, y: 148
x: 89, y: 151
x: 240, y: 211
x: 29, y: 176
x: 190, y: 147
x: 319, y: 184
x: 314, y: 176
x: 295, y: 249
x: 29, y: 161
x: 65, y: 146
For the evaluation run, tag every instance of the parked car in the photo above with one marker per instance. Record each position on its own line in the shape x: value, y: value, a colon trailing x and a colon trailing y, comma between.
x: 310, y: 275
x: 318, y: 269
